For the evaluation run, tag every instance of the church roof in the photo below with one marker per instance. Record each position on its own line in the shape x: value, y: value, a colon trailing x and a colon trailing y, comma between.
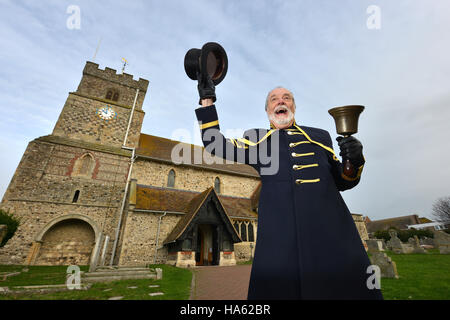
x: 191, y: 209
x: 175, y: 200
x: 160, y: 149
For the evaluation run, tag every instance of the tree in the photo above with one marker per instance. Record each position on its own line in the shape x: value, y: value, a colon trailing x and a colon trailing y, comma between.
x: 11, y: 223
x: 441, y: 209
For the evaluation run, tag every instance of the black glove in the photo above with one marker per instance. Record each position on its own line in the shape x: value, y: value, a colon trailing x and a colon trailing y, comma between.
x: 206, y: 88
x: 351, y: 149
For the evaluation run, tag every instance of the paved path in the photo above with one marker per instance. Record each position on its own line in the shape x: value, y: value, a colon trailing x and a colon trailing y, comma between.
x: 221, y: 283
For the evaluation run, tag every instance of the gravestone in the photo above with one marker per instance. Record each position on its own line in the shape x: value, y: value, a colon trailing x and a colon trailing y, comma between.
x: 156, y: 294
x: 425, y: 241
x: 374, y: 245
x: 442, y: 241
x: 396, y: 245
x: 158, y: 273
x: 383, y: 244
x: 388, y: 268
x: 414, y: 242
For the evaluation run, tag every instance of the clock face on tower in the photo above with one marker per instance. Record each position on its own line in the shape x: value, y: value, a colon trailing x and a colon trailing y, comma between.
x: 106, y: 113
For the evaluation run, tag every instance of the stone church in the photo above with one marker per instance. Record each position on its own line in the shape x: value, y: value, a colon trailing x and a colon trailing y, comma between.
x: 97, y: 191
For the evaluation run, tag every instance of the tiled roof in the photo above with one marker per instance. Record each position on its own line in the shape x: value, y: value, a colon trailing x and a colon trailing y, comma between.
x: 175, y: 200
x: 424, y: 220
x: 192, y: 209
x: 159, y: 148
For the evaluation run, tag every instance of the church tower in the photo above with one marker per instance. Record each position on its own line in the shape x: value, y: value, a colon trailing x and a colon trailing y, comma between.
x: 99, y: 111
x: 69, y: 187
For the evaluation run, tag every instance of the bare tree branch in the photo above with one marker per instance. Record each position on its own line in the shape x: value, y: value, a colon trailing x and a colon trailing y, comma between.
x: 441, y: 209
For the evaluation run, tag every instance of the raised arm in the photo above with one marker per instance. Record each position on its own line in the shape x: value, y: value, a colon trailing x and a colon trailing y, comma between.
x: 213, y: 140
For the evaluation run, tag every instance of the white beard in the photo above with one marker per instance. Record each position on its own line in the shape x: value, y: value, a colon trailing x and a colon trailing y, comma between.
x: 282, y: 122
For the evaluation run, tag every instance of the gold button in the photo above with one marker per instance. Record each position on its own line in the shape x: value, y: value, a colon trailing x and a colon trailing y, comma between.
x: 290, y: 133
x: 298, y: 181
x: 293, y: 154
x: 295, y: 167
x: 291, y: 145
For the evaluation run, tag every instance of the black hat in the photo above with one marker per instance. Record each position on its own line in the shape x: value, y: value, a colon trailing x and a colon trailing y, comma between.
x: 212, y: 59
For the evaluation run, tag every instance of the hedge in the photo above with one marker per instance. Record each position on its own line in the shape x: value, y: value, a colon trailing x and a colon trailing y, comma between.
x: 404, y: 235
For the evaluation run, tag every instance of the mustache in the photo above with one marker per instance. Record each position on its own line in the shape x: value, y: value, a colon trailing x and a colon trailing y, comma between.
x: 273, y: 117
x: 280, y: 108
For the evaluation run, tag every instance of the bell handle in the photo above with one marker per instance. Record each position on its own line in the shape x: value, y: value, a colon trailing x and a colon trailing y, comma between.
x: 349, y: 168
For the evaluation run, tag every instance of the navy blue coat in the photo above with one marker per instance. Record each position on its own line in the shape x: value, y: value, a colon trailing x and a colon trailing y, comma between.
x: 308, y: 246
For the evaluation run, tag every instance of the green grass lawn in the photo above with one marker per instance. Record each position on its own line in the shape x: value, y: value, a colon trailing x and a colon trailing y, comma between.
x: 36, y: 275
x: 175, y: 284
x: 421, y: 277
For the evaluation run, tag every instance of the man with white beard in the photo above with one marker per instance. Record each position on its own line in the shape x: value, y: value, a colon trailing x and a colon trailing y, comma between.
x: 308, y: 246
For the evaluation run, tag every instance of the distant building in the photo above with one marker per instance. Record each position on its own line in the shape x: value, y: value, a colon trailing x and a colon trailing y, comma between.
x: 403, y: 223
x: 400, y: 223
x: 431, y: 226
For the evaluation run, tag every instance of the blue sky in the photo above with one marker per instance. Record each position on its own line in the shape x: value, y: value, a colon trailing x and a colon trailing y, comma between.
x: 323, y: 51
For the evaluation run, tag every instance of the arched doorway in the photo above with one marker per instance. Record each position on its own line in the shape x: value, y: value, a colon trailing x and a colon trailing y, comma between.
x: 207, y: 246
x: 69, y: 241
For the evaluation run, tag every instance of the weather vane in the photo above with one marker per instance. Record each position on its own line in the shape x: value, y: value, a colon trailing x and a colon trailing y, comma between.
x: 125, y: 63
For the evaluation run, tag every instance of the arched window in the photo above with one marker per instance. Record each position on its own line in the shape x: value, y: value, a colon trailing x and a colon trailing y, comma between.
x: 171, y: 179
x: 251, y: 236
x: 217, y: 184
x: 244, y: 232
x: 236, y: 226
x: 75, y: 197
x: 85, y: 164
x: 112, y: 94
x: 109, y: 94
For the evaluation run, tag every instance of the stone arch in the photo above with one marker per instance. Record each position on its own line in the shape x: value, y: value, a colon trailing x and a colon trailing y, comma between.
x: 69, y: 239
x: 51, y: 223
x: 217, y: 184
x: 112, y: 94
x: 171, y: 179
x: 84, y: 165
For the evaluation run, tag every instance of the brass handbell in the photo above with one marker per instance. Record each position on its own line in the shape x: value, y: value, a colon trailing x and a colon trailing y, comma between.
x: 346, y: 119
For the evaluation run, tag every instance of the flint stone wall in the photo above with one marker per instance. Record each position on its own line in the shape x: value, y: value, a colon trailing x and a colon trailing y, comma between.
x: 156, y: 174
x: 43, y: 189
x: 139, y: 244
x: 244, y: 251
x: 79, y: 120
